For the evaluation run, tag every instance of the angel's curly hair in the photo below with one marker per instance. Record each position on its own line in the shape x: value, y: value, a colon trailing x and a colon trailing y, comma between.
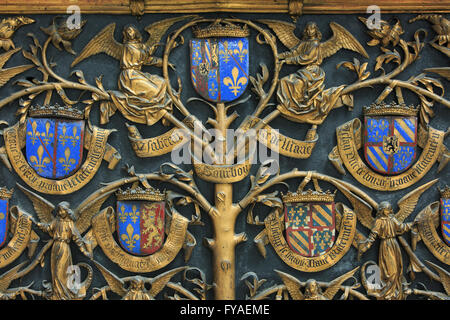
x: 316, y: 29
x: 137, y: 37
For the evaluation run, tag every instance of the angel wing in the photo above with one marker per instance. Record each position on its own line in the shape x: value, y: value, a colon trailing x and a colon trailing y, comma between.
x: 284, y: 32
x: 87, y: 209
x: 7, y: 74
x: 115, y: 283
x: 336, y: 284
x: 103, y: 42
x: 44, y: 209
x: 9, y: 276
x: 158, y: 283
x: 341, y: 39
x: 292, y: 284
x: 157, y: 29
x: 443, y: 274
x: 409, y: 201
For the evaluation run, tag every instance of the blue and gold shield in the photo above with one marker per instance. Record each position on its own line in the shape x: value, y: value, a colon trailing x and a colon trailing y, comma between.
x: 54, y: 147
x: 219, y: 67
x: 4, y: 208
x: 390, y: 143
x: 445, y: 219
x: 140, y: 226
x: 310, y: 227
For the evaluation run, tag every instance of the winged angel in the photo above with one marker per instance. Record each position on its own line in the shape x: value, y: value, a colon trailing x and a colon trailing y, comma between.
x: 301, y: 95
x: 142, y: 94
x: 313, y: 290
x: 136, y: 289
x: 66, y: 226
x: 387, y: 226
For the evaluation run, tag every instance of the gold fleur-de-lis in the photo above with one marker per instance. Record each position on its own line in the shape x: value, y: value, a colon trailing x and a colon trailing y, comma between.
x: 63, y: 137
x: 33, y: 133
x: 40, y: 162
x: 236, y: 83
x: 123, y: 214
x: 74, y: 137
x: 225, y: 53
x: 67, y: 162
x: 47, y: 136
x: 212, y: 89
x: 129, y: 238
x: 240, y: 51
x: 134, y: 215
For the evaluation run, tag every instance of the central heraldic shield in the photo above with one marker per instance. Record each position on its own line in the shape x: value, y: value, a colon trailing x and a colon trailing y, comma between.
x: 390, y: 142
x: 310, y: 227
x: 220, y: 62
x: 140, y: 220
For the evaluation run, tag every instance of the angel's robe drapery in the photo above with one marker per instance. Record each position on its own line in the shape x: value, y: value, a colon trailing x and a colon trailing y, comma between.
x: 389, y: 255
x: 63, y: 231
x: 142, y: 95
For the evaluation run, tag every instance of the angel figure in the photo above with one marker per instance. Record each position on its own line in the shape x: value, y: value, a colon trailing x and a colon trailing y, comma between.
x: 387, y: 226
x: 313, y: 289
x: 136, y: 289
x: 66, y: 226
x: 143, y: 96
x: 301, y: 95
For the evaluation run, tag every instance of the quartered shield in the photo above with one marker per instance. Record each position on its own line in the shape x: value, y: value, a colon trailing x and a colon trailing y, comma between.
x: 54, y: 147
x: 220, y: 67
x: 390, y: 143
x: 4, y: 208
x: 310, y: 227
x: 445, y: 219
x: 140, y: 226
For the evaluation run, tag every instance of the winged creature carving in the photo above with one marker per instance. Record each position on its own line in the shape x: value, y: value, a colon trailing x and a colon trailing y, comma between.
x: 136, y: 289
x: 312, y: 289
x: 143, y: 97
x: 66, y: 226
x: 302, y: 95
x: 387, y: 225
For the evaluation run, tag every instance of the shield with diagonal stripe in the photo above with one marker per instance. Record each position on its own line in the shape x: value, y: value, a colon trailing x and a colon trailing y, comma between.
x: 445, y: 219
x: 390, y: 143
x: 310, y: 227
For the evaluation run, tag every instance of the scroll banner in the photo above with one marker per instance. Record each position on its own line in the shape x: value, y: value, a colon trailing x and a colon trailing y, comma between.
x: 96, y: 143
x: 346, y: 153
x: 175, y: 240
x: 279, y: 143
x: 20, y: 239
x: 429, y: 235
x: 274, y: 227
x: 155, y: 146
x: 222, y: 173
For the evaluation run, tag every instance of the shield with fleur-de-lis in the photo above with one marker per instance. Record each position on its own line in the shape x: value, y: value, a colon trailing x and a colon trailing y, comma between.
x: 54, y: 141
x: 445, y: 214
x: 310, y: 222
x: 140, y: 220
x: 390, y: 138
x: 220, y: 61
x: 5, y: 195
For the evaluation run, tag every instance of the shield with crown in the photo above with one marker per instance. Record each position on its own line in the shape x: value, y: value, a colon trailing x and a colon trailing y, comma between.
x: 390, y: 137
x: 54, y: 140
x: 445, y: 214
x: 310, y: 221
x: 220, y: 61
x: 5, y: 195
x: 140, y: 220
